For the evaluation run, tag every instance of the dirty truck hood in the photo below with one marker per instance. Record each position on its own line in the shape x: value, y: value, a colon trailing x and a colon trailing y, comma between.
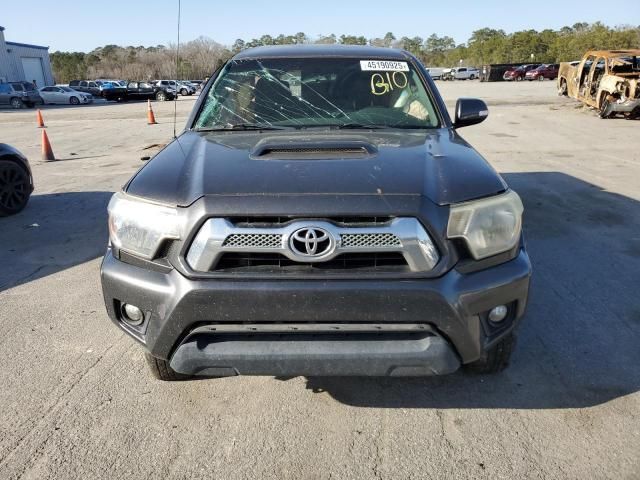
x: 436, y: 164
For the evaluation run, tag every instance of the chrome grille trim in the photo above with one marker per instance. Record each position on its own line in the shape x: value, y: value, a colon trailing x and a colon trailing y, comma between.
x: 253, y: 240
x: 375, y: 240
x: 404, y: 235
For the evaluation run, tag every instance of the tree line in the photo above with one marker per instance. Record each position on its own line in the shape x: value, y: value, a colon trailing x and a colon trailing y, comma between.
x: 198, y: 58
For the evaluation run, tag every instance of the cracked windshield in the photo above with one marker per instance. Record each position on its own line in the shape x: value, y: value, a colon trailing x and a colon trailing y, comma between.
x: 329, y: 92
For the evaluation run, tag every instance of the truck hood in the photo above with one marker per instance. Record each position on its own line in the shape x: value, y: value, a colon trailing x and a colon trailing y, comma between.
x: 437, y: 164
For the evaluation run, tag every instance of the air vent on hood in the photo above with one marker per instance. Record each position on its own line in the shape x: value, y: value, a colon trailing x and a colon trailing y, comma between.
x: 320, y: 150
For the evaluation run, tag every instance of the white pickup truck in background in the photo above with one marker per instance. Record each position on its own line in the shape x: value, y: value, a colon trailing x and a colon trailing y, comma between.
x: 460, y: 73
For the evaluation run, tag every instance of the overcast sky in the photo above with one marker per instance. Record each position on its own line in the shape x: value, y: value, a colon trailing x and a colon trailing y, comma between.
x: 77, y: 26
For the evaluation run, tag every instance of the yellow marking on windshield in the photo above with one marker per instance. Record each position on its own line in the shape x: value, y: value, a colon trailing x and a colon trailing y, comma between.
x: 381, y: 85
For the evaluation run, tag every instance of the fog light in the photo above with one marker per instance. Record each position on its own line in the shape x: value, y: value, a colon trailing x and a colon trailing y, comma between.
x: 132, y: 314
x: 499, y: 313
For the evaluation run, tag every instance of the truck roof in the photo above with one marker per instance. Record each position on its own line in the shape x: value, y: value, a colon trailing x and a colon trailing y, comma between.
x: 613, y: 53
x: 303, y: 51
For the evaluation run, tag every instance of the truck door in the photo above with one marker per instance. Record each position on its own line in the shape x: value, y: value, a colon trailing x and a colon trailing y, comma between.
x: 583, y: 76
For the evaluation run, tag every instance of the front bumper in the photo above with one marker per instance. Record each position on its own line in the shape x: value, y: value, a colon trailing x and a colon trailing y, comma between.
x: 623, y: 106
x: 453, y: 306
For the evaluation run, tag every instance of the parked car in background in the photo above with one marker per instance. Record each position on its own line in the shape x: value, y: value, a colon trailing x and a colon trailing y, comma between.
x: 19, y: 94
x: 517, y: 74
x: 86, y: 86
x: 549, y: 71
x: 172, y: 85
x: 163, y: 91
x: 435, y: 73
x: 465, y: 73
x: 140, y: 91
x: 112, y: 91
x: 608, y: 80
x: 447, y: 74
x: 64, y: 95
x: 16, y: 180
x: 186, y: 88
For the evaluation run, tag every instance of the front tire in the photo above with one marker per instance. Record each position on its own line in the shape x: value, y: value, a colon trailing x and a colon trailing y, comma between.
x: 472, y: 77
x: 562, y: 89
x: 16, y: 103
x: 15, y: 188
x: 74, y: 101
x: 605, y: 106
x: 161, y: 96
x: 541, y: 78
x: 161, y: 370
x: 183, y: 92
x: 495, y: 359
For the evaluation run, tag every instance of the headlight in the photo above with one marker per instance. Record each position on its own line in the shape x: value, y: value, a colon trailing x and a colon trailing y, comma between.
x: 140, y: 227
x: 489, y: 226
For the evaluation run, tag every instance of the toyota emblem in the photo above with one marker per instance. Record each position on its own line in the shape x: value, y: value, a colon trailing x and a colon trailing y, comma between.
x: 311, y: 242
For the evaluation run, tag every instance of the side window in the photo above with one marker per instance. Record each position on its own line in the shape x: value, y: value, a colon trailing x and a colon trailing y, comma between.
x: 462, y: 69
x: 74, y: 83
x: 596, y: 75
x: 584, y: 74
x: 93, y: 84
x: 132, y: 85
x: 83, y: 84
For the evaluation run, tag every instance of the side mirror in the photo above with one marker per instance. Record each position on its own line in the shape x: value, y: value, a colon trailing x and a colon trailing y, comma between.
x: 470, y: 111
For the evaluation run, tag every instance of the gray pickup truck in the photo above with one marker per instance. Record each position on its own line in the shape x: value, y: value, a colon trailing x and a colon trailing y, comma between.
x: 319, y: 215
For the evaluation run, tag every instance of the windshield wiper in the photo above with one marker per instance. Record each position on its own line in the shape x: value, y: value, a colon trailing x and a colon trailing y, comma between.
x: 240, y: 126
x: 341, y: 126
x: 359, y: 125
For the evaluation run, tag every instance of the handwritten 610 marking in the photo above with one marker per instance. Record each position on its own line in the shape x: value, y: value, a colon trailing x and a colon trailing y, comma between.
x: 381, y: 86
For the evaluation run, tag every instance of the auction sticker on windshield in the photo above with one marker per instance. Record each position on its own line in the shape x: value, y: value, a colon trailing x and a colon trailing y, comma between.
x: 383, y: 66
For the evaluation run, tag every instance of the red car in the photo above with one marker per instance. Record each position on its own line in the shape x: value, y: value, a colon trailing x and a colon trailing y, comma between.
x: 542, y: 72
x: 518, y: 73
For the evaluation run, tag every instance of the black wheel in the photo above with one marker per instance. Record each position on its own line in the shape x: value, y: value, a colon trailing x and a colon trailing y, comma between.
x: 16, y: 103
x: 518, y: 79
x: 183, y: 92
x: 74, y: 101
x: 161, y: 369
x: 472, y: 77
x: 15, y: 188
x: 562, y: 89
x: 161, y: 96
x: 541, y: 78
x: 496, y: 359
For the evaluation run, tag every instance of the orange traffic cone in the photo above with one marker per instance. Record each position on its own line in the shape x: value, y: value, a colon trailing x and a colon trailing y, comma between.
x: 47, y: 152
x: 39, y: 119
x: 151, y: 119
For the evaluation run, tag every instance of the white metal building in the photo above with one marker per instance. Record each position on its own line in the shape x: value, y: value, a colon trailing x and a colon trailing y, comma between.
x: 23, y: 62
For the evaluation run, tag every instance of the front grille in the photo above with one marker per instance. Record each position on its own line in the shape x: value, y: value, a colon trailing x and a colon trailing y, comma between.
x: 299, y: 244
x: 277, y: 263
x: 253, y: 240
x: 365, y: 240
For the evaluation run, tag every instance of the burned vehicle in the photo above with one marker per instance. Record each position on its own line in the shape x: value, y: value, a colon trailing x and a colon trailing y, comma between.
x: 319, y: 215
x: 607, y: 80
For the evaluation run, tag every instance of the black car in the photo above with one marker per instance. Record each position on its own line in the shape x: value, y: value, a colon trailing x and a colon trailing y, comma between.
x: 16, y: 181
x: 140, y: 91
x: 320, y: 215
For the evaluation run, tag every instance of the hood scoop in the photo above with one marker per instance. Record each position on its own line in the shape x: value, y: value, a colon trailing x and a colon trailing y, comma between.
x: 318, y: 150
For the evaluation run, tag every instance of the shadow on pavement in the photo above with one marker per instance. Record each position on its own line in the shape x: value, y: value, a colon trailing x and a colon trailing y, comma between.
x: 579, y: 345
x: 55, y: 232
